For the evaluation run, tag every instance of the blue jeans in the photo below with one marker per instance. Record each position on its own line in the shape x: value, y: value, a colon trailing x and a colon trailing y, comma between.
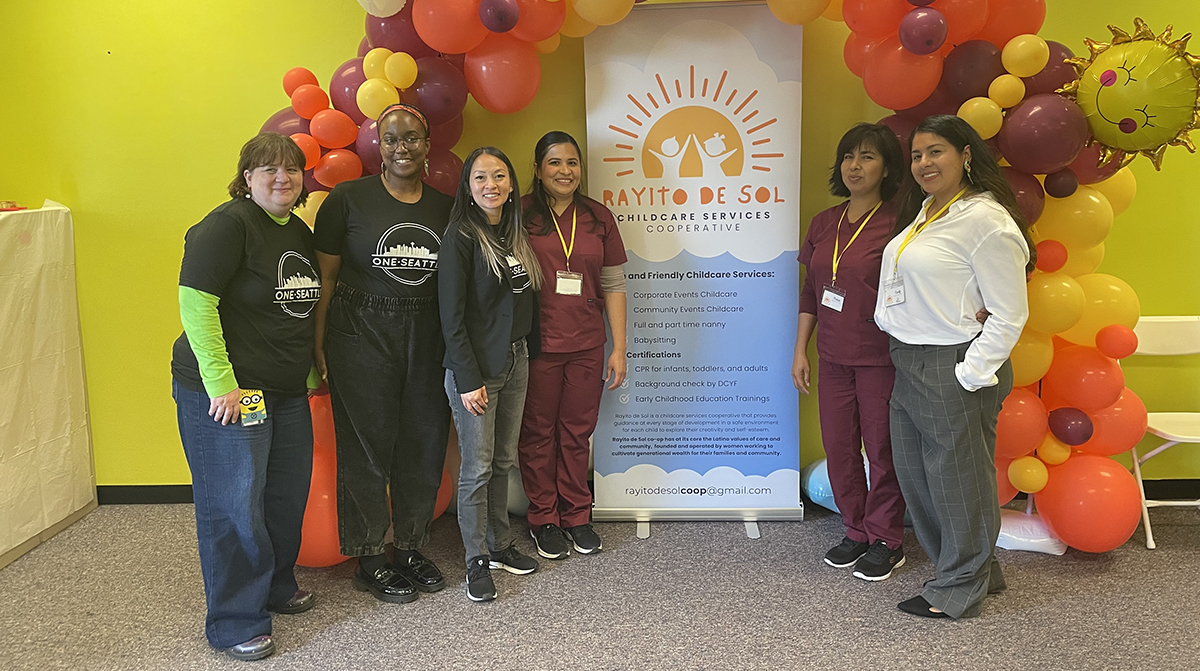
x: 250, y: 486
x: 488, y: 444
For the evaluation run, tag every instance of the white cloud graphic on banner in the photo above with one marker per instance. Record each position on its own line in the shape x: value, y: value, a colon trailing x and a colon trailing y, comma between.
x: 648, y: 486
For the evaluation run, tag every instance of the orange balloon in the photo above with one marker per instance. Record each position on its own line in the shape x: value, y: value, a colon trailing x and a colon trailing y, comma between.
x: 1051, y: 256
x: 1008, y: 18
x: 319, y: 545
x: 899, y: 79
x: 1116, y: 341
x: 503, y: 73
x: 855, y: 52
x: 339, y: 165
x: 964, y: 18
x: 1117, y: 428
x: 538, y: 20
x: 333, y: 129
x: 1021, y: 426
x: 297, y: 77
x: 1091, y: 502
x: 310, y: 147
x: 875, y: 19
x: 308, y: 99
x: 1085, y: 378
x: 1005, y: 492
x: 448, y: 26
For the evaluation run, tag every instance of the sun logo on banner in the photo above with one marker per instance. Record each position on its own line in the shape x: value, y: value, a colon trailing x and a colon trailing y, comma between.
x: 693, y: 128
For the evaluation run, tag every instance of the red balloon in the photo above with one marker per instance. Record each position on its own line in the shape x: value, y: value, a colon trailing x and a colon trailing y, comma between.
x: 310, y: 147
x: 333, y: 129
x: 343, y: 89
x: 1091, y: 502
x: 1085, y: 378
x: 367, y: 148
x: 448, y: 134
x: 397, y: 33
x: 319, y: 545
x: 503, y: 73
x: 297, y: 77
x: 1116, y: 341
x: 1005, y: 491
x: 1021, y: 425
x: 898, y: 79
x: 1043, y: 133
x: 969, y: 70
x: 440, y: 90
x: 1008, y: 18
x: 308, y: 99
x: 1055, y: 75
x: 449, y: 26
x: 1051, y: 256
x: 285, y: 122
x: 445, y: 170
x: 1119, y: 427
x: 339, y: 165
x: 874, y: 18
x: 965, y: 18
x: 1070, y: 425
x: 1031, y: 198
x: 539, y: 20
x: 855, y: 52
x: 1087, y: 168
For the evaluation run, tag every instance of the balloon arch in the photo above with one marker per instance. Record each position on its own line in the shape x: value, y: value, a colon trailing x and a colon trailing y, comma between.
x: 1033, y: 100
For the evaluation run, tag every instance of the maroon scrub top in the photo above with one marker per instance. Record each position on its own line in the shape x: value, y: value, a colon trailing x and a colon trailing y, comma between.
x: 575, y: 323
x: 849, y: 337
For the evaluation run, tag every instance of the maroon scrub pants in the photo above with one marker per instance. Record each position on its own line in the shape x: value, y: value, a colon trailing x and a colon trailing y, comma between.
x: 561, y: 408
x: 853, y: 402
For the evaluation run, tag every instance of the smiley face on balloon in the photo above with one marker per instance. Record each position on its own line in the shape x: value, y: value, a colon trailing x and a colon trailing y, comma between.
x: 1138, y: 92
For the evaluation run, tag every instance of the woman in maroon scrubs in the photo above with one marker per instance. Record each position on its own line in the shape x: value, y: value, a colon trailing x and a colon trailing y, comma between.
x: 843, y: 251
x: 581, y: 254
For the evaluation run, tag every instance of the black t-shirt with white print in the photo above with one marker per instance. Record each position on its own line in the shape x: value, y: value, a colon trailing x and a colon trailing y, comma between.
x: 267, y: 278
x: 388, y: 248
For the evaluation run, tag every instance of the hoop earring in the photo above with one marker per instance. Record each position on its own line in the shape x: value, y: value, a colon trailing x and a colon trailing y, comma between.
x: 383, y: 166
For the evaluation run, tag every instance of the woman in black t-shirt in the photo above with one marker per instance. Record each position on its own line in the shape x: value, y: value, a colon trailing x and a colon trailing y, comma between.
x: 379, y: 344
x: 247, y: 286
x: 487, y: 284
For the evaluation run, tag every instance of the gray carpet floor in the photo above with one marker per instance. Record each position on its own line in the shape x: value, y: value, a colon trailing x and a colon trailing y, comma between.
x: 121, y: 589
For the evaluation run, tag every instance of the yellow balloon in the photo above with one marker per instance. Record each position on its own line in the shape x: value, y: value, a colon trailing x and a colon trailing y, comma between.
x: 308, y: 212
x: 374, y: 61
x: 1052, y: 452
x: 1007, y: 90
x: 374, y: 95
x: 1107, y: 300
x: 548, y: 45
x: 1031, y: 357
x: 984, y: 115
x: 601, y: 12
x: 1055, y: 302
x: 834, y: 11
x: 1083, y: 261
x: 1080, y: 221
x: 1119, y: 189
x: 574, y: 25
x: 1028, y: 474
x: 1025, y: 55
x: 401, y: 69
x: 798, y: 12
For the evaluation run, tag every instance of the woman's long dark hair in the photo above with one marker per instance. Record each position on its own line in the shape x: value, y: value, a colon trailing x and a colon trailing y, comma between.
x: 538, y: 214
x: 473, y: 223
x: 985, y: 175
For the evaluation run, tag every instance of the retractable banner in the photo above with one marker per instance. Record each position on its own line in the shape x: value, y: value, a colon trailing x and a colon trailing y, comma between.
x: 694, y: 144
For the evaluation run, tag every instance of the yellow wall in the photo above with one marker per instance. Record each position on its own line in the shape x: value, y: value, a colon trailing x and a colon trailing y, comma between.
x: 132, y: 113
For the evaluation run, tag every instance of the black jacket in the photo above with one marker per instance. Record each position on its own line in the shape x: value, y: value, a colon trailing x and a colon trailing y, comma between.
x: 477, y: 312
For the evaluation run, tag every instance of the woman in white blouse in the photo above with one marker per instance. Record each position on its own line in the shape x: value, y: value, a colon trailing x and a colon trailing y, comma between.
x: 962, y: 252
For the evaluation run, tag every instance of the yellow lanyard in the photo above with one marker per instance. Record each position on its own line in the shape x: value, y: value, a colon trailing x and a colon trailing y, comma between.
x: 912, y: 232
x: 567, y: 250
x: 837, y: 256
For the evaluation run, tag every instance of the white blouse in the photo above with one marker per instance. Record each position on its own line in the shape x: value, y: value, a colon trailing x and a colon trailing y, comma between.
x: 971, y: 258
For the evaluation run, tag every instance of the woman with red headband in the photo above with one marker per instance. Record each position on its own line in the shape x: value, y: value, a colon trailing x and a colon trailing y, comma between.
x: 379, y: 345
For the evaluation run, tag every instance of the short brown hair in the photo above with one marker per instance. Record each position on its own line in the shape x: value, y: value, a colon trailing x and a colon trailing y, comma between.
x: 267, y: 149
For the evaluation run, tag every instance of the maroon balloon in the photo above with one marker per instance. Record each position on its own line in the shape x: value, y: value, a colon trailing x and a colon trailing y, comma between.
x: 396, y: 32
x: 993, y: 143
x: 902, y: 127
x: 1087, y: 168
x: 499, y: 16
x: 285, y: 122
x: 923, y: 30
x: 1061, y: 183
x: 457, y: 60
x: 1043, y: 133
x: 343, y: 89
x: 445, y: 169
x: 1071, y: 425
x: 969, y: 69
x: 367, y: 148
x: 311, y: 182
x: 1031, y: 199
x: 920, y: 3
x: 1055, y: 75
x: 448, y: 134
x: 440, y: 90
x: 938, y: 102
x: 364, y: 47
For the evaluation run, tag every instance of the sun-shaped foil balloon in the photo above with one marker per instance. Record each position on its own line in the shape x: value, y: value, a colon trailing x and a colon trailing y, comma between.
x: 1140, y: 93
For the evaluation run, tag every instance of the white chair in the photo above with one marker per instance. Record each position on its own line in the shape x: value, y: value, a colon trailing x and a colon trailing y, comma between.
x: 1166, y: 336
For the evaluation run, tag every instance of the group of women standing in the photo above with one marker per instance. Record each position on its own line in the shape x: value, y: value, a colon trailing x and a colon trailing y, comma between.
x: 424, y: 309
x: 917, y: 306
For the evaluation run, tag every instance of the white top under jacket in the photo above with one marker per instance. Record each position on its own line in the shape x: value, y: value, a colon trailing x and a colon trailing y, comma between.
x: 971, y: 258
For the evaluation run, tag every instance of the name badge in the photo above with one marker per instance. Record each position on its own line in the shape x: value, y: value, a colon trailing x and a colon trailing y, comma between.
x: 568, y: 283
x: 893, y: 292
x: 833, y: 298
x: 253, y: 407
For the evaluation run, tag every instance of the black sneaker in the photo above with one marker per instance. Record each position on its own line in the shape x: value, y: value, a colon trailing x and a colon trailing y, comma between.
x: 879, y: 562
x: 846, y: 553
x: 513, y: 561
x: 584, y: 538
x: 479, y: 580
x: 550, y: 541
